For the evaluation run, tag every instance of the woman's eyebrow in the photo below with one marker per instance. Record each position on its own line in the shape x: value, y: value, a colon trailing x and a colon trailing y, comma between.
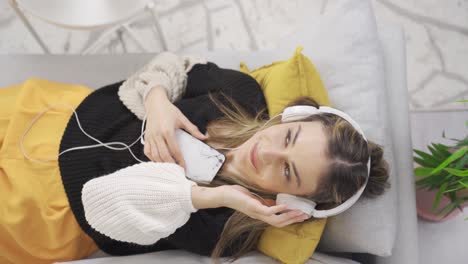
x: 298, y: 179
x: 297, y: 134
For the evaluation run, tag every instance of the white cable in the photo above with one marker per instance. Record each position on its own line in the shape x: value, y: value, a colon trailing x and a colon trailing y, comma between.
x: 81, y: 147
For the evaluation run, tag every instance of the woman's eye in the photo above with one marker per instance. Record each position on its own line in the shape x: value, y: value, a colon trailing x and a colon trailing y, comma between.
x: 287, y: 171
x: 286, y: 167
x: 288, y: 138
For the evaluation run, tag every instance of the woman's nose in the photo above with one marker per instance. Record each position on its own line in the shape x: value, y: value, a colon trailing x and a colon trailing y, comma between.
x: 271, y: 154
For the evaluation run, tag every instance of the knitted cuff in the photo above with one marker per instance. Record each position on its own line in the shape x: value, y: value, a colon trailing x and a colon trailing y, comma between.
x: 187, y: 204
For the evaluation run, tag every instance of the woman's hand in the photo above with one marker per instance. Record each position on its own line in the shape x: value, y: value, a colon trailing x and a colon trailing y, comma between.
x: 241, y: 199
x: 163, y: 118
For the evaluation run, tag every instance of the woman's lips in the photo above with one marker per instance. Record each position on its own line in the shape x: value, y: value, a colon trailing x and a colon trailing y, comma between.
x: 253, y: 154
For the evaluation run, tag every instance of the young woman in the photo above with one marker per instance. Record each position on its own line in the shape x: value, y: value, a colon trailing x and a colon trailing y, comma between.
x: 98, y: 198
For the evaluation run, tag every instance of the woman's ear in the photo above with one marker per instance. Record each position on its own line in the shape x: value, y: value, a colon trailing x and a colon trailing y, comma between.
x: 269, y: 202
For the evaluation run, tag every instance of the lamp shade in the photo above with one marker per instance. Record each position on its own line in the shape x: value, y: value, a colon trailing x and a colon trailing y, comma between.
x: 83, y: 14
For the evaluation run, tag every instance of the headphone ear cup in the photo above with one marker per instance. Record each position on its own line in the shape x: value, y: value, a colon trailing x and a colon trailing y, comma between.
x: 294, y: 202
x: 298, y: 112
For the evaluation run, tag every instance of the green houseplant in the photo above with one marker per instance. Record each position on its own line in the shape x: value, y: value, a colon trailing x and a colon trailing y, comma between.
x: 444, y: 169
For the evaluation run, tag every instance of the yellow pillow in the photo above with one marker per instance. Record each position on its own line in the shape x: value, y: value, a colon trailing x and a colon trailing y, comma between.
x: 283, y: 81
x: 292, y: 244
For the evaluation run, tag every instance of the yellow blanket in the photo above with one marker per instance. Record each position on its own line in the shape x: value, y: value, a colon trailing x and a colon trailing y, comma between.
x: 36, y: 221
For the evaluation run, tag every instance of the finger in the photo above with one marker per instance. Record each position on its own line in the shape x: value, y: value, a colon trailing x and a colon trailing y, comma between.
x: 163, y: 151
x: 289, y: 217
x: 147, y: 150
x: 275, y: 209
x: 192, y: 129
x: 270, y: 210
x: 285, y: 211
x: 269, y: 215
x: 277, y: 220
x: 175, y: 150
x: 155, y: 151
x: 300, y: 218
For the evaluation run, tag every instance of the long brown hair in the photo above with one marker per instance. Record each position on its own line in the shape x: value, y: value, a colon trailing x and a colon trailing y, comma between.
x: 347, y: 152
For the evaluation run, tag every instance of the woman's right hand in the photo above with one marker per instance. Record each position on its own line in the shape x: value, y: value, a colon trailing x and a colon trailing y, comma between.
x: 241, y: 199
x: 163, y: 118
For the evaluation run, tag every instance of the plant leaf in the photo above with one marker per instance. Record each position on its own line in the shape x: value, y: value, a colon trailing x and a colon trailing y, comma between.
x: 461, y: 163
x: 427, y: 181
x: 423, y: 171
x: 459, y: 173
x: 434, y: 181
x: 449, y: 207
x: 442, y: 148
x: 453, y: 207
x: 450, y: 159
x: 464, y: 184
x: 439, y: 195
x: 422, y: 162
x: 428, y: 158
x: 454, y: 189
x: 437, y: 154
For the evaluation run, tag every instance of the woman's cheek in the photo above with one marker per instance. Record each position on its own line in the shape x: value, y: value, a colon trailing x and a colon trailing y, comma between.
x: 268, y: 181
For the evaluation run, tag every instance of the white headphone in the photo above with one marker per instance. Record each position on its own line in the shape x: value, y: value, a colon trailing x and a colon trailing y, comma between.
x: 298, y: 112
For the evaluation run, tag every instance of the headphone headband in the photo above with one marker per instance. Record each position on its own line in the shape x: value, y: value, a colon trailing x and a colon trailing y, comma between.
x: 298, y: 112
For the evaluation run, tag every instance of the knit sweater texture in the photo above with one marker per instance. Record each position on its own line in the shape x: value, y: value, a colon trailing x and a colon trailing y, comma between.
x: 141, y: 203
x: 168, y: 70
x: 104, y: 116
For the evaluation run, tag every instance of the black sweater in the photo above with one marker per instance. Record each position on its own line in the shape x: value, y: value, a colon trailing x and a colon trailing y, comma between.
x: 106, y: 118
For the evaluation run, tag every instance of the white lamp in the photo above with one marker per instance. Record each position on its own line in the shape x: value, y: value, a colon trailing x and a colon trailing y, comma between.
x: 87, y: 15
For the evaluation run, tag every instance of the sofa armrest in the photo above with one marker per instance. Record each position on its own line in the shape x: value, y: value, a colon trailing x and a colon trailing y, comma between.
x: 406, y: 248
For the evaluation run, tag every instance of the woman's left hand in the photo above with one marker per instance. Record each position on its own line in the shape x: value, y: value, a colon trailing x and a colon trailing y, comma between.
x: 241, y: 199
x: 163, y: 118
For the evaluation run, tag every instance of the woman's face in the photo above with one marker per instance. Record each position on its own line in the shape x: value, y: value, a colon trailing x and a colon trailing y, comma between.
x: 284, y: 158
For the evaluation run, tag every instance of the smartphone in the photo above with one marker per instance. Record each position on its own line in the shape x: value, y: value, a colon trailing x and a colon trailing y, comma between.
x: 202, y: 162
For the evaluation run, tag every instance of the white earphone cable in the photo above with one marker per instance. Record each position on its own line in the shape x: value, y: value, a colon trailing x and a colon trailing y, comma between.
x: 81, y: 147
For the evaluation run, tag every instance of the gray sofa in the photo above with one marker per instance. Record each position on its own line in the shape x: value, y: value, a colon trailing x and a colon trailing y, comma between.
x: 98, y: 70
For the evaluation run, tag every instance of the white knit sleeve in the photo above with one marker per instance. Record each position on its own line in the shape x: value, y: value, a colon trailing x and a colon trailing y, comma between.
x: 141, y: 203
x: 168, y: 70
